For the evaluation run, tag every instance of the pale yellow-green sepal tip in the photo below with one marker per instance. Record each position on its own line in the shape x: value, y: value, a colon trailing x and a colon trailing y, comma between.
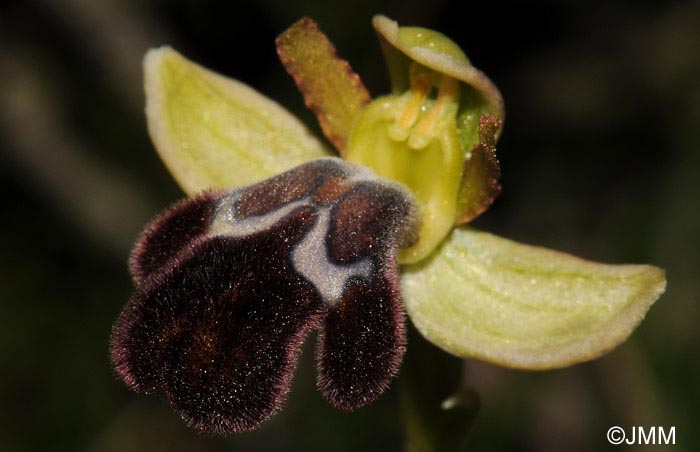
x: 215, y: 132
x: 522, y: 306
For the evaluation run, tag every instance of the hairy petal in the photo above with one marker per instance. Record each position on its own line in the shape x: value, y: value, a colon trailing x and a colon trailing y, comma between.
x: 521, y: 306
x: 215, y: 132
x: 481, y: 173
x: 330, y: 87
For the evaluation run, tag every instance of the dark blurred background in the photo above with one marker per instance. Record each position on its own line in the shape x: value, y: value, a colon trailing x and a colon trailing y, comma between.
x: 600, y: 157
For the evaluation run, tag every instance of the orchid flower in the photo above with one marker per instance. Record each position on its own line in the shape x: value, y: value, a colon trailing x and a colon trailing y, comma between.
x: 281, y: 237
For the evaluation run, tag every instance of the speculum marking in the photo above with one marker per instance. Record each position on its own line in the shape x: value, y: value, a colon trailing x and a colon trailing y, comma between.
x: 309, y: 257
x: 227, y: 223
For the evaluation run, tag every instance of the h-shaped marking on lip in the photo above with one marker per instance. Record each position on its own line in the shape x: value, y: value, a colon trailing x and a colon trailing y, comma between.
x: 309, y: 256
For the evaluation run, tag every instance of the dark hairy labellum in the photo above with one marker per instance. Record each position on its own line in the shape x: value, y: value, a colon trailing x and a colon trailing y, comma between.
x: 228, y: 284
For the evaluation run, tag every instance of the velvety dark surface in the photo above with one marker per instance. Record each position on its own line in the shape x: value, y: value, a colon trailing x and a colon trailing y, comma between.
x: 362, y: 342
x: 278, y: 190
x: 366, y: 221
x: 220, y: 330
x: 217, y: 321
x: 167, y: 236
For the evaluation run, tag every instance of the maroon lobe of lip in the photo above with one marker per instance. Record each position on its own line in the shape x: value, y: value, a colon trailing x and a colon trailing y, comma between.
x: 229, y: 283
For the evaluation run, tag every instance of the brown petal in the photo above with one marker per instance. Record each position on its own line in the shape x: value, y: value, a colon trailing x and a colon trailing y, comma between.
x: 481, y: 173
x: 330, y: 87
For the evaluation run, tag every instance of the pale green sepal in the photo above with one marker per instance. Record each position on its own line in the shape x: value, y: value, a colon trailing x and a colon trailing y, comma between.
x: 403, y: 45
x: 522, y: 306
x: 215, y: 132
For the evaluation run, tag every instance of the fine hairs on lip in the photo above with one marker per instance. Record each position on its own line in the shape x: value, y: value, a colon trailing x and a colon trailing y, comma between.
x: 228, y: 284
